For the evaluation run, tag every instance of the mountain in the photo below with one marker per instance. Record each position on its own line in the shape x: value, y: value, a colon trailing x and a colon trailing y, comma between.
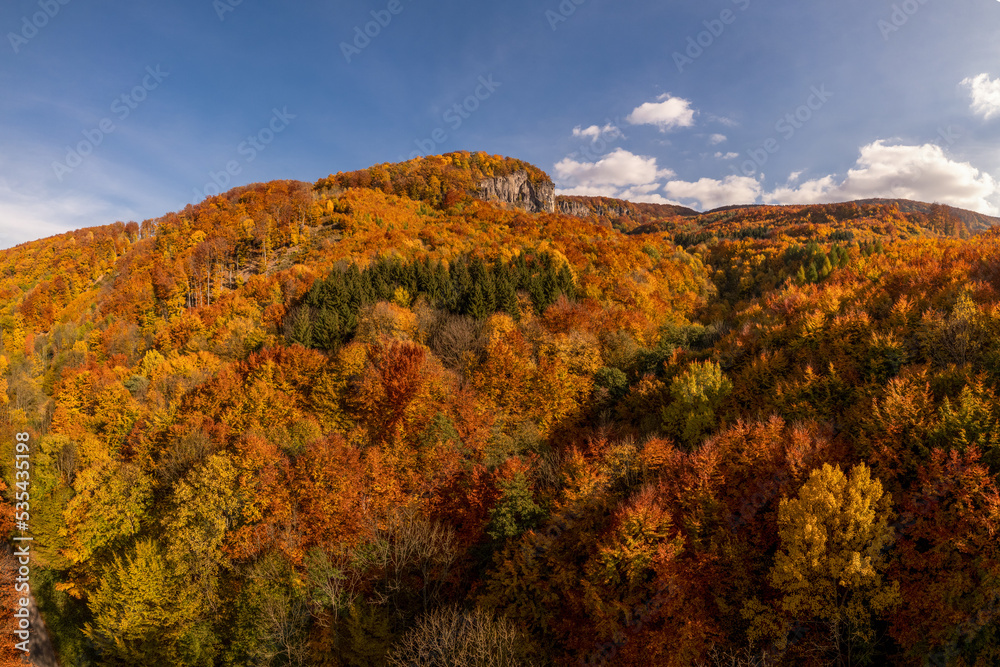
x: 972, y: 220
x: 939, y: 215
x: 375, y: 417
x: 443, y: 180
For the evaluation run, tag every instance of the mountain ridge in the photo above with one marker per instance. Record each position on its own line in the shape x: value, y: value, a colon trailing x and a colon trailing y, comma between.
x: 444, y: 180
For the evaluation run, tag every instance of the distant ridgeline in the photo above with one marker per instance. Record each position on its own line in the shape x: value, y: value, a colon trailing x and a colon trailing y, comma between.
x: 328, y: 315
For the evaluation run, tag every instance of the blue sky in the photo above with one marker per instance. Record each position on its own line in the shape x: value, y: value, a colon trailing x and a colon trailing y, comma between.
x: 127, y: 110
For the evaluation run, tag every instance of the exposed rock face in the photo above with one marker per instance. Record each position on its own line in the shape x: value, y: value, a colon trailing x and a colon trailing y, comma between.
x: 517, y: 190
x: 569, y: 207
x: 581, y: 210
x: 586, y: 207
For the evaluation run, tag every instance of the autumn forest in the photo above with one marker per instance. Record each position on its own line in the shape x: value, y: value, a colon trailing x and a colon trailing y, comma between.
x: 377, y: 421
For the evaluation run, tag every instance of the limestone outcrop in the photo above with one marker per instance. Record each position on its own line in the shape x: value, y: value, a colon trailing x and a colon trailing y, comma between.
x: 519, y: 191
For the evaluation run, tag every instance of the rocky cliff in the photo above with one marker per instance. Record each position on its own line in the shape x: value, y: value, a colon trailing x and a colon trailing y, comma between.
x: 584, y: 207
x: 520, y: 191
x: 573, y: 207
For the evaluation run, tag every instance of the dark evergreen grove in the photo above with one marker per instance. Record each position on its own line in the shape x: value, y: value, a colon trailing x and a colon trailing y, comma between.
x: 327, y: 316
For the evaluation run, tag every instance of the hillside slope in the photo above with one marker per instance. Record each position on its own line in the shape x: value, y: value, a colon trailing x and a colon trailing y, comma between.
x: 317, y: 424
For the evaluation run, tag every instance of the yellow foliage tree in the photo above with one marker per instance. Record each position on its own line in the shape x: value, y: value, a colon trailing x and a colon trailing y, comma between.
x: 144, y: 614
x: 832, y: 557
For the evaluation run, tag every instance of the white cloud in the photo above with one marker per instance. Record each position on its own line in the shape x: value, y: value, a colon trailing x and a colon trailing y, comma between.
x: 25, y: 217
x: 727, y: 156
x: 648, y: 199
x: 985, y: 95
x: 34, y: 205
x: 816, y: 191
x: 667, y: 113
x: 923, y: 173
x: 640, y: 194
x: 728, y: 122
x: 646, y: 194
x: 619, y: 168
x: 589, y: 191
x: 594, y: 132
x: 711, y: 193
x: 645, y: 189
x: 620, y: 175
x: 716, y: 139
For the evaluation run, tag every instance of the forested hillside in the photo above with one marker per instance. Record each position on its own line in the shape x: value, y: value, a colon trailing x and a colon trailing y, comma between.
x: 374, y: 420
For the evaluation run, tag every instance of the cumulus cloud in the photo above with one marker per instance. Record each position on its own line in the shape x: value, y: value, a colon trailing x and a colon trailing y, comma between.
x: 727, y: 156
x: 619, y: 168
x: 620, y: 174
x: 648, y: 199
x: 646, y: 194
x: 589, y: 191
x: 985, y: 95
x: 816, y: 191
x: 923, y: 173
x: 712, y: 193
x: 595, y: 132
x: 716, y: 139
x: 667, y: 113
